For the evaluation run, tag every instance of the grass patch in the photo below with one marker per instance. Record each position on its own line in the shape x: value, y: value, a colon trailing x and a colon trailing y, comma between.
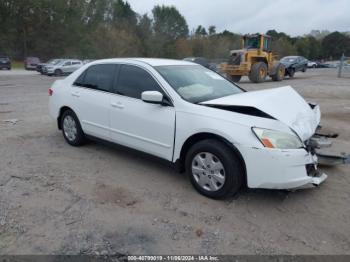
x: 17, y: 65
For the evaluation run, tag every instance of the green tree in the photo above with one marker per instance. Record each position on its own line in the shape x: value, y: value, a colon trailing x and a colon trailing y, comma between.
x: 169, y: 22
x: 168, y: 26
x: 335, y: 44
x: 283, y: 47
x: 200, y: 31
x: 145, y: 34
x: 212, y: 30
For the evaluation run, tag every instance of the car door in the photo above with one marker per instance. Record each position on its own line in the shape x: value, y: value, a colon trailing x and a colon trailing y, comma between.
x: 137, y: 124
x: 91, y: 94
x: 66, y: 67
x: 299, y: 64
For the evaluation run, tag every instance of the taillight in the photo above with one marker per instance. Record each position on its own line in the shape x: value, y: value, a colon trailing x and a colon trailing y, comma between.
x: 50, y: 91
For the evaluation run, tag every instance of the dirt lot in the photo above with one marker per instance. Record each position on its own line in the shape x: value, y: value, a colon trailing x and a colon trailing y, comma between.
x: 57, y: 199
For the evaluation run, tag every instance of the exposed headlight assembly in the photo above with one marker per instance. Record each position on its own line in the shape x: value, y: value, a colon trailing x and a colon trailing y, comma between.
x: 277, y: 139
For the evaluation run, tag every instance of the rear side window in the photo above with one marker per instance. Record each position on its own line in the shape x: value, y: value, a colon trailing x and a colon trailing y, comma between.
x: 134, y: 80
x: 98, y: 77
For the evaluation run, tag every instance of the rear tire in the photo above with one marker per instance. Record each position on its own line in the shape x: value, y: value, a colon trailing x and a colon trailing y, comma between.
x: 258, y: 72
x: 235, y: 78
x: 214, y: 169
x: 279, y: 75
x: 71, y: 129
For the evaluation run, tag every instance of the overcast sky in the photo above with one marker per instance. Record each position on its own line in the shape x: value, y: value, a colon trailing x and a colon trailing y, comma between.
x: 295, y: 17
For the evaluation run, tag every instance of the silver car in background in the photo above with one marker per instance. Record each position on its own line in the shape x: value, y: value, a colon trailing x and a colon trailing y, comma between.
x: 64, y: 67
x: 41, y: 67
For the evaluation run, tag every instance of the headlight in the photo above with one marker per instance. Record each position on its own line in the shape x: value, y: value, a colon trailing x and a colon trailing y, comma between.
x: 276, y: 139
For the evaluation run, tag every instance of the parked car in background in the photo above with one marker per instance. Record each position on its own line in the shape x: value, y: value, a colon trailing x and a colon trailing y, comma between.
x: 86, y: 61
x: 5, y: 62
x: 323, y: 65
x: 221, y: 135
x: 294, y: 64
x: 31, y: 63
x: 41, y: 66
x: 203, y: 62
x: 311, y: 64
x: 64, y: 67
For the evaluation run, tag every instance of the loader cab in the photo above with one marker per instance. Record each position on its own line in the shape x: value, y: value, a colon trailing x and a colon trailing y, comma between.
x: 257, y: 41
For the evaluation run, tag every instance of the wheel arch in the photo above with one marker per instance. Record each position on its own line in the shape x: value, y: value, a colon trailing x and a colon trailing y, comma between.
x: 195, y: 138
x: 257, y: 59
x: 60, y: 113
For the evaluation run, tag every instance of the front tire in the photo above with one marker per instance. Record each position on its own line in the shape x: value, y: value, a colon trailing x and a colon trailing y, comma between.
x: 258, y: 72
x: 214, y: 169
x: 71, y: 129
x: 58, y: 72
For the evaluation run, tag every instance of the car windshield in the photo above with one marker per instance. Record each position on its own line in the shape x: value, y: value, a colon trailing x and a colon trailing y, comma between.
x: 288, y: 59
x: 197, y: 84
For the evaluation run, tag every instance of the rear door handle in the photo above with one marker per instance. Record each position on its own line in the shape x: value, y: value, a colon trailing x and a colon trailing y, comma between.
x: 117, y: 105
x: 76, y: 94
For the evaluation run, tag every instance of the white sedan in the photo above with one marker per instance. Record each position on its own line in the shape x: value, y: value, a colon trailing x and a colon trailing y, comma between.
x: 221, y: 135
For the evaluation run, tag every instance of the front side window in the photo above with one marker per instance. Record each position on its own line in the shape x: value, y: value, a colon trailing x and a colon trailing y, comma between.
x: 197, y: 84
x: 134, y: 80
x: 99, y: 77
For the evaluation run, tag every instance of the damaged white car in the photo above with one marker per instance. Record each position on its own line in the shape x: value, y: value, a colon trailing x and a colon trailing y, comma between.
x: 222, y: 136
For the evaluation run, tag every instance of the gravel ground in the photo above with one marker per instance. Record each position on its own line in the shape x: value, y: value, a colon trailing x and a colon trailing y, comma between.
x: 103, y: 199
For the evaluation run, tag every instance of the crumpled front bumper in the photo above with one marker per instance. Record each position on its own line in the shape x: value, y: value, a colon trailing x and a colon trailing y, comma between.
x: 281, y: 169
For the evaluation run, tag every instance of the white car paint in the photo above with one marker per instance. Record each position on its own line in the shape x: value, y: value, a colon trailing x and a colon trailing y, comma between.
x: 283, y: 103
x: 162, y: 130
x: 311, y: 64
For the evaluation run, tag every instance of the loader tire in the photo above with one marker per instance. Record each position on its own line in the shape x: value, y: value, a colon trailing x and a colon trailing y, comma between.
x: 279, y: 73
x: 235, y: 79
x: 258, y: 72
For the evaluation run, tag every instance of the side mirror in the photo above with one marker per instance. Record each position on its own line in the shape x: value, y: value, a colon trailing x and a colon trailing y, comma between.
x: 153, y: 97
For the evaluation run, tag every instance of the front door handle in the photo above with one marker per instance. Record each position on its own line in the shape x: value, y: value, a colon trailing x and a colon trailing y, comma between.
x: 117, y: 105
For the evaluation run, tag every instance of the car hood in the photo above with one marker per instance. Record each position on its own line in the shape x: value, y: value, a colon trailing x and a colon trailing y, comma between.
x: 283, y: 104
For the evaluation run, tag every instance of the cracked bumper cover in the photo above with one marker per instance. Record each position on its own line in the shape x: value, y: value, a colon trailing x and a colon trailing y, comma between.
x: 281, y: 169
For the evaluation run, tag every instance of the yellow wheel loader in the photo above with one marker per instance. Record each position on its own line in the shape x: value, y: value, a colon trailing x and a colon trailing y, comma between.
x: 254, y: 60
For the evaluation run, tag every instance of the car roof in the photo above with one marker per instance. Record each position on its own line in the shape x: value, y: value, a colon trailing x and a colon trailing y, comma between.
x: 149, y: 61
x: 292, y: 56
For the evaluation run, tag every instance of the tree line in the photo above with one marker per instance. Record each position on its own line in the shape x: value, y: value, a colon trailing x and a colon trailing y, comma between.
x: 111, y: 28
